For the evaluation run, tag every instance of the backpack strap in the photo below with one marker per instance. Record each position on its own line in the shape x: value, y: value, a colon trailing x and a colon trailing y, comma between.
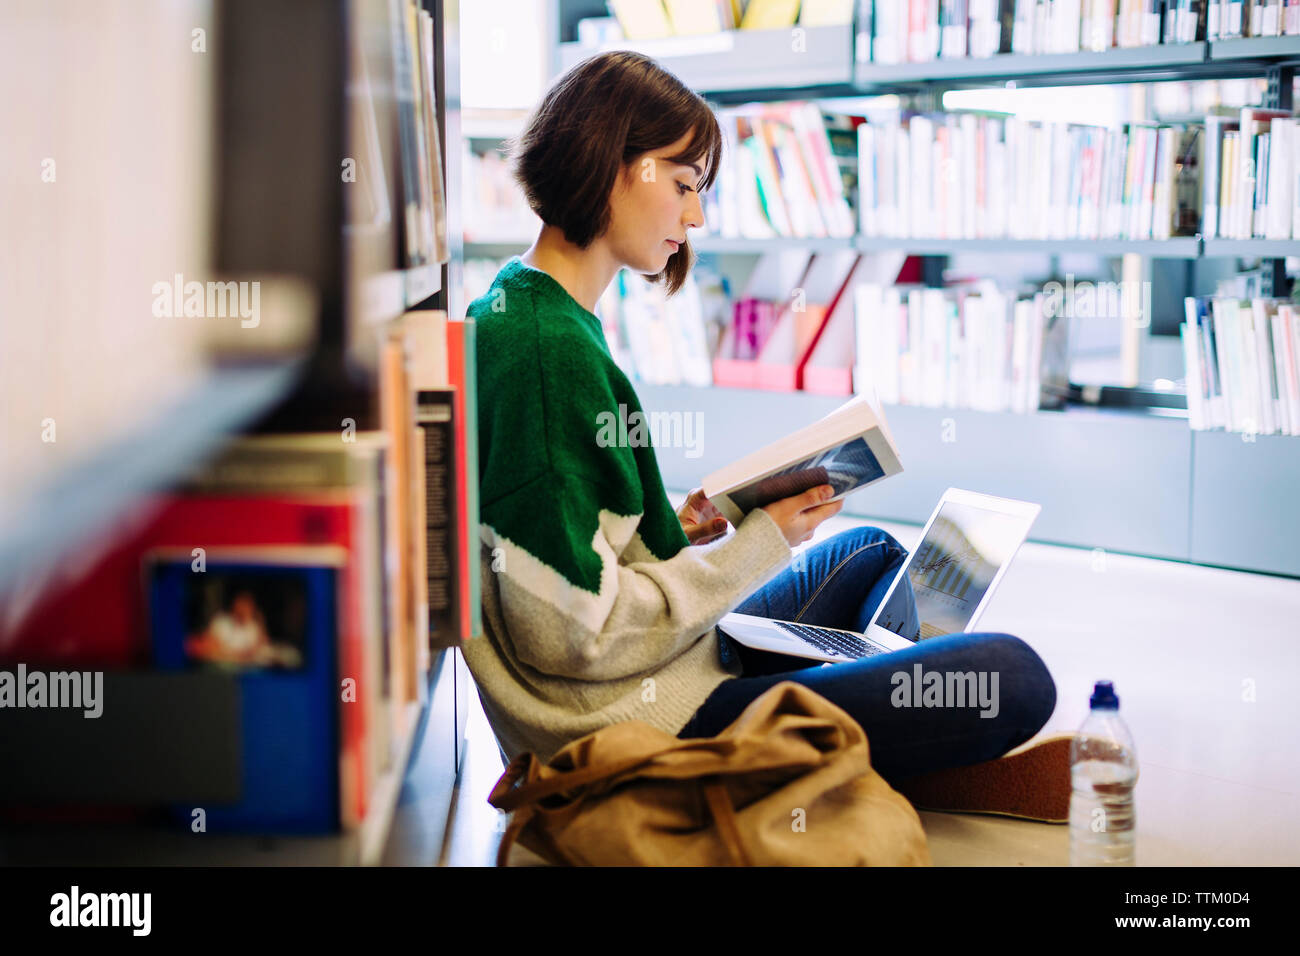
x: 507, y: 796
x: 724, y: 818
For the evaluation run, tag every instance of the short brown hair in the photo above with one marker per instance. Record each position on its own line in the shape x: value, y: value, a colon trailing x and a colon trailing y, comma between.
x: 596, y: 120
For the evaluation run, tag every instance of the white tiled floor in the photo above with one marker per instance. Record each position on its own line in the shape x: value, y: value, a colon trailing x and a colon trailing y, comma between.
x: 1207, y: 666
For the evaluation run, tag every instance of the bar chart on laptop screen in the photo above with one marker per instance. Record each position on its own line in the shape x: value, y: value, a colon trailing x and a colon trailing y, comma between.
x: 951, y: 572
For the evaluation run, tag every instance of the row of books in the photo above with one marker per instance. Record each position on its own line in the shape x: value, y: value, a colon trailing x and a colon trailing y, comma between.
x: 976, y: 176
x: 494, y: 207
x: 1250, y: 169
x: 969, y: 346
x: 1251, y: 18
x: 655, y: 19
x: 923, y: 30
x: 1243, y: 364
x: 422, y: 188
x: 789, y: 169
x: 974, y: 346
x: 661, y: 340
x: 321, y: 571
x: 794, y: 170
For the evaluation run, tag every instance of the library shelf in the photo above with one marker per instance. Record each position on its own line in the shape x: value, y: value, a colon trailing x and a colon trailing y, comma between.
x: 1256, y: 48
x: 1121, y: 64
x: 420, y: 282
x: 1124, y: 480
x: 501, y: 248
x: 773, y: 66
x: 1251, y: 248
x: 87, y: 494
x: 1177, y: 247
x: 386, y: 295
x: 740, y: 65
x: 731, y: 244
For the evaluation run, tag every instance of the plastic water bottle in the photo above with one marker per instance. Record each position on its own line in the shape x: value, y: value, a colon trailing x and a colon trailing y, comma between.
x: 1103, y: 773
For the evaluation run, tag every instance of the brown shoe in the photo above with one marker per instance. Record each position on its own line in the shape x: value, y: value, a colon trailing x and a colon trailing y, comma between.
x: 1031, y: 782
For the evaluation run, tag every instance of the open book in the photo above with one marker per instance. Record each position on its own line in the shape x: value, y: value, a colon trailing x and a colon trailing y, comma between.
x: 848, y: 449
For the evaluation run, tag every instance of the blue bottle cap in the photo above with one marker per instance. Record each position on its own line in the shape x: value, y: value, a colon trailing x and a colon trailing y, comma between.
x: 1103, y: 696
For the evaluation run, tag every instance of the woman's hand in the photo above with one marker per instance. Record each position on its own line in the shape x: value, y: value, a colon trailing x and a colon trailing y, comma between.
x: 799, y: 515
x: 701, y: 521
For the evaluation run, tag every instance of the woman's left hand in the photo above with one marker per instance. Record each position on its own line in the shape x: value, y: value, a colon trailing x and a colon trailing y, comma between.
x: 701, y: 521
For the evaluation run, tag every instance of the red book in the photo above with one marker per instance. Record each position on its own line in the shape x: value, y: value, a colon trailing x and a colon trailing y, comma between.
x: 461, y: 371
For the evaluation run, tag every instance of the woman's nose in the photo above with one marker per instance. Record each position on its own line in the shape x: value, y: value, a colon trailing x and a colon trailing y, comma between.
x: 695, y: 215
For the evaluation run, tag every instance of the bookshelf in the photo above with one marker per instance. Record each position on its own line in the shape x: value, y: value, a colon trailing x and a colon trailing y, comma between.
x: 252, y: 191
x: 750, y: 64
x: 1136, y: 483
x: 744, y: 66
x: 1184, y: 502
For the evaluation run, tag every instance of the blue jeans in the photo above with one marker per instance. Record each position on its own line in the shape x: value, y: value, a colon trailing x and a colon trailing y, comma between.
x: 839, y: 583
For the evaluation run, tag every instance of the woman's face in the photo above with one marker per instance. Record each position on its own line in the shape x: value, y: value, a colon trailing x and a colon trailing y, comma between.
x: 652, y: 206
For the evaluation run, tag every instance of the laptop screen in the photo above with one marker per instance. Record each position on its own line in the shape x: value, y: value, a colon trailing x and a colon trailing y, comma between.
x: 950, y: 571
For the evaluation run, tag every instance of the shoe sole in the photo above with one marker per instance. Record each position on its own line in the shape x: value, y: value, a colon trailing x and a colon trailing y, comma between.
x: 1032, y: 783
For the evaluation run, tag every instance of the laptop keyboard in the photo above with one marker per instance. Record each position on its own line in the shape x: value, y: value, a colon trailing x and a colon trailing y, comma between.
x: 825, y: 639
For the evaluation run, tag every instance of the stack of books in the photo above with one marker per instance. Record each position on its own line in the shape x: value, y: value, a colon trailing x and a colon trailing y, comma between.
x: 981, y: 176
x: 975, y: 347
x: 1243, y: 364
x: 1249, y: 189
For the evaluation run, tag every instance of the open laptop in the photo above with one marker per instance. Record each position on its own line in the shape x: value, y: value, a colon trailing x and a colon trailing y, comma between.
x: 942, y: 588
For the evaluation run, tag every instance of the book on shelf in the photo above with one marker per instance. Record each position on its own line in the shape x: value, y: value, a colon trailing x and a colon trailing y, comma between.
x: 269, y: 617
x: 654, y: 338
x: 462, y: 376
x: 1250, y: 171
x: 500, y: 212
x: 659, y: 19
x: 1241, y: 362
x: 433, y: 139
x: 769, y: 14
x: 314, y: 489
x: 787, y: 171
x: 972, y: 175
x: 689, y: 17
x: 829, y: 367
x: 1228, y: 19
x: 849, y: 449
x: 973, y: 347
x: 925, y: 30
x: 266, y: 492
x: 423, y: 234
x: 397, y: 415
x: 435, y: 414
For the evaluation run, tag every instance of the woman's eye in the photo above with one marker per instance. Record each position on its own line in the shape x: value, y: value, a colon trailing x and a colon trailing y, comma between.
x: 683, y: 189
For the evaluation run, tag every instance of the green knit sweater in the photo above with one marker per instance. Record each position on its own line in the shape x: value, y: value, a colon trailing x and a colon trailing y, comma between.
x: 596, y: 609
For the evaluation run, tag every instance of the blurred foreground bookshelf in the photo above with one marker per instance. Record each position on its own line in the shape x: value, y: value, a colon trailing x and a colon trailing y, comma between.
x: 320, y: 190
